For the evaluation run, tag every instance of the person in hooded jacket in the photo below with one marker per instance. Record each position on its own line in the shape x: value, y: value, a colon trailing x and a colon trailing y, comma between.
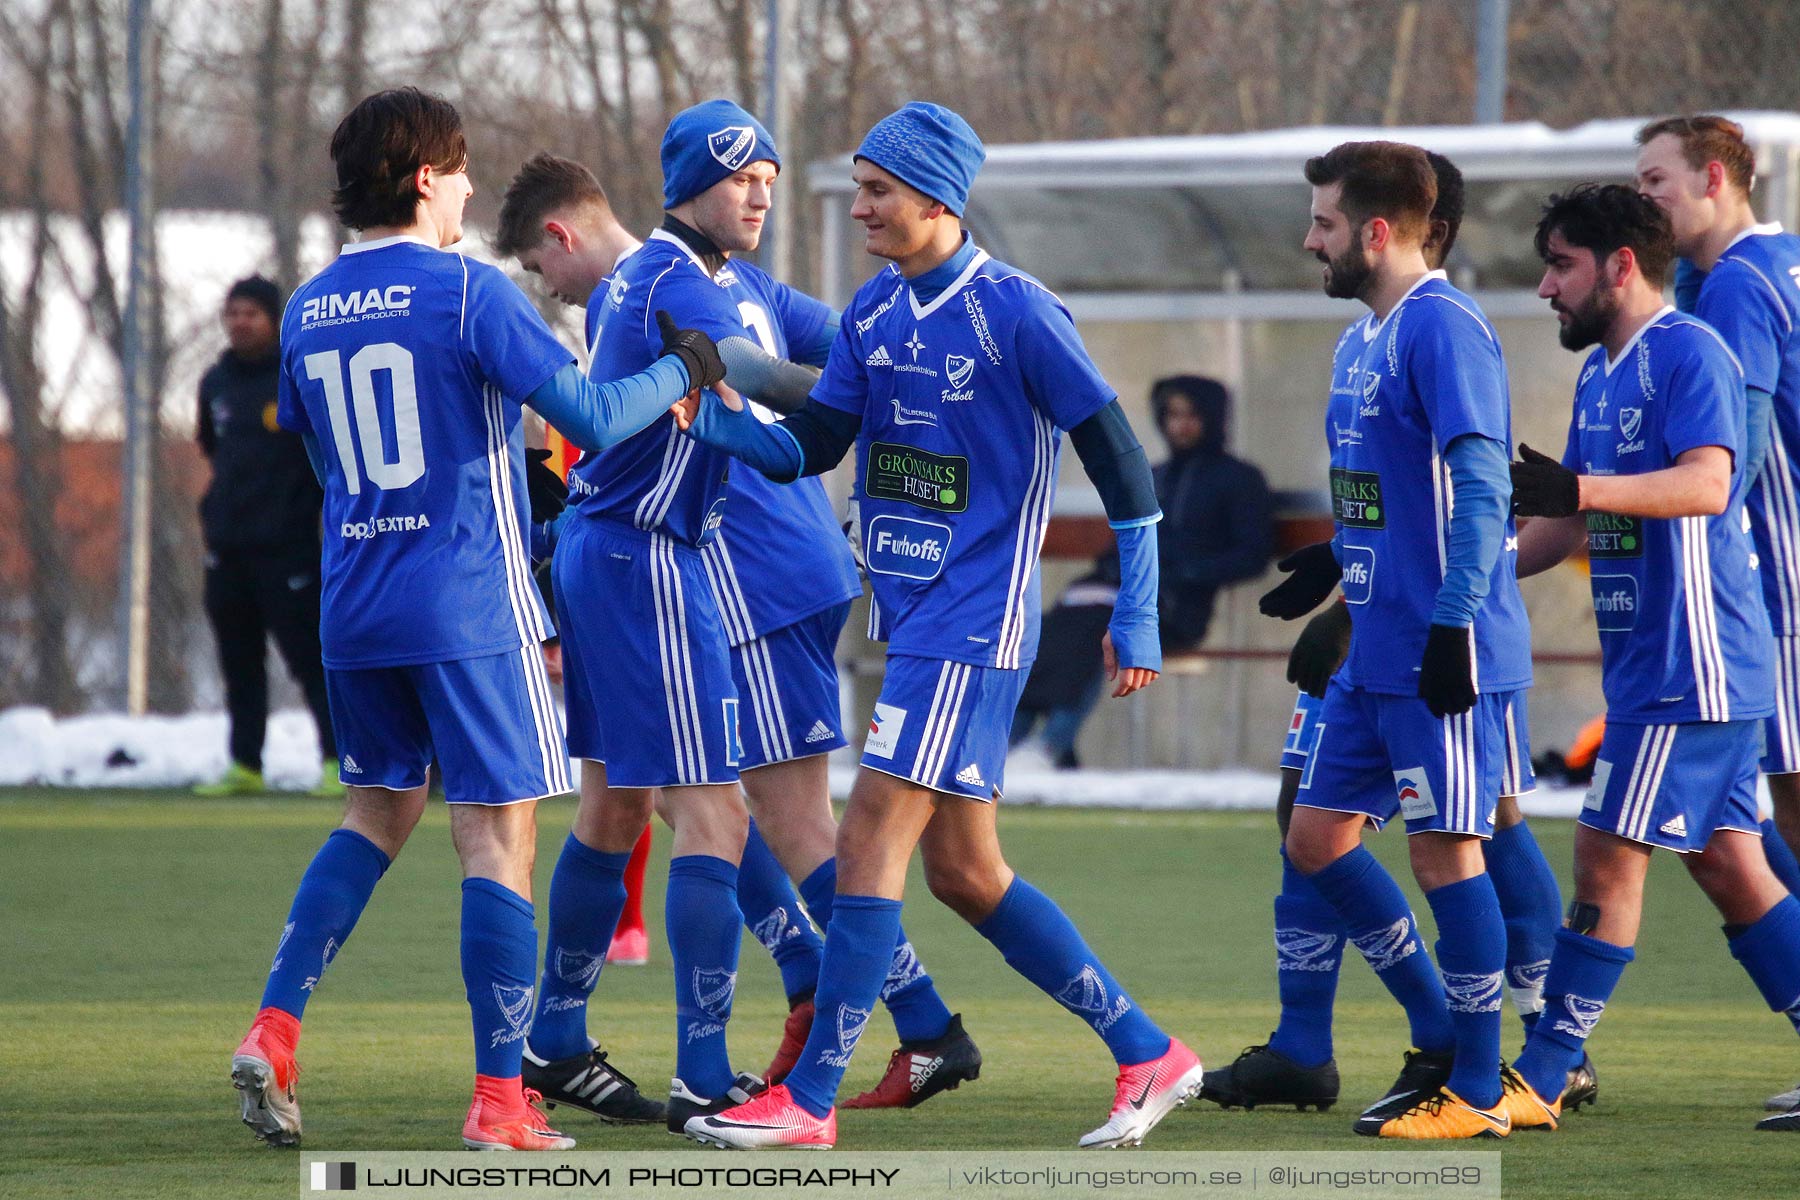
x: 260, y: 520
x: 1217, y: 529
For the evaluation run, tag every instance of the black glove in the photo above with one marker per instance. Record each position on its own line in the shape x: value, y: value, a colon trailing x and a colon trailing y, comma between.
x: 1319, y: 650
x: 695, y: 350
x: 1446, y: 680
x: 1314, y: 573
x: 549, y: 494
x: 1543, y: 487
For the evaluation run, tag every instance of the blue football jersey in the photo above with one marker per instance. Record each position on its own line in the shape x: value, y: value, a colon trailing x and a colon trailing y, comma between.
x: 1402, y: 389
x: 409, y: 364
x: 1683, y: 632
x: 1752, y: 297
x: 777, y: 555
x: 591, y: 319
x: 962, y: 402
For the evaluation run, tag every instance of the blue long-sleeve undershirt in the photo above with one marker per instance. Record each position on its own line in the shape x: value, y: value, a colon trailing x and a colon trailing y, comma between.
x: 1481, y: 490
x: 594, y: 416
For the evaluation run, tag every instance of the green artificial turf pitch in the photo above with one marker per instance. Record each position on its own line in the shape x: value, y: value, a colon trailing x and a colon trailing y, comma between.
x: 138, y: 927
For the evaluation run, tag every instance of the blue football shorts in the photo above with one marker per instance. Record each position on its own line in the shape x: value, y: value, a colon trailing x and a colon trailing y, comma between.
x: 1379, y: 755
x: 1517, y: 778
x: 646, y: 668
x: 1303, y: 726
x: 787, y: 682
x: 1674, y: 786
x: 944, y: 725
x: 491, y: 724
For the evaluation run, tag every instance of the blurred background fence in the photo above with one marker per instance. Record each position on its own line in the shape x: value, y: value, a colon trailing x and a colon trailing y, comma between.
x: 242, y: 99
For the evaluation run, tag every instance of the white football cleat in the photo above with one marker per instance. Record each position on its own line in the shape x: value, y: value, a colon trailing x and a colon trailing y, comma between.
x: 1146, y: 1093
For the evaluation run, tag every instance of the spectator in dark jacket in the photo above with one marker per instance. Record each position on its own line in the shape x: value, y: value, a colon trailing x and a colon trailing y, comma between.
x: 1217, y: 529
x: 1218, y: 520
x: 260, y: 519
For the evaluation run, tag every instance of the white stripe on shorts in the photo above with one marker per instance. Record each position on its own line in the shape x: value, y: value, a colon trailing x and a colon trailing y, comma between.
x: 548, y: 722
x: 940, y: 723
x: 677, y: 667
x: 1509, y: 765
x: 765, y: 700
x: 1460, y: 780
x: 1646, y: 780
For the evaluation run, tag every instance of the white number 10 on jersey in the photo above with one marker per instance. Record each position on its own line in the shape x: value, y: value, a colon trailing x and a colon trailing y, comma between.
x: 408, y: 462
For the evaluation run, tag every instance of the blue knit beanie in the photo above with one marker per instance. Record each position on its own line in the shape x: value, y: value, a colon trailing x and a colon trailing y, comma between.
x: 707, y: 143
x: 929, y: 147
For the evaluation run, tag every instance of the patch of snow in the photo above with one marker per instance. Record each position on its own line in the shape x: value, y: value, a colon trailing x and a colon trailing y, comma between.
x: 113, y: 751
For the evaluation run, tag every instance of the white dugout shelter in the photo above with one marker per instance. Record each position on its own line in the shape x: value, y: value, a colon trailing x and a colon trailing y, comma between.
x: 1182, y: 254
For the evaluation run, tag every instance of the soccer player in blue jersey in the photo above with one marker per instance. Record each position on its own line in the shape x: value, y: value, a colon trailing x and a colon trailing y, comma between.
x: 1418, y: 425
x: 1699, y: 170
x: 1649, y: 480
x: 404, y: 366
x: 555, y: 219
x: 954, y: 375
x: 1295, y: 1066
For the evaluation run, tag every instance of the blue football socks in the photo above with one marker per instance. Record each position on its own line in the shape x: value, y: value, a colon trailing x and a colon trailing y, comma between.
x: 1770, y: 951
x: 1781, y: 858
x: 1531, y: 905
x: 1309, y: 950
x: 1381, y: 924
x: 1471, y: 953
x: 773, y: 916
x: 703, y: 920
x: 587, y: 894
x: 1038, y: 940
x: 1583, y: 973
x: 911, y: 997
x: 859, y: 946
x: 331, y: 896
x: 499, y: 950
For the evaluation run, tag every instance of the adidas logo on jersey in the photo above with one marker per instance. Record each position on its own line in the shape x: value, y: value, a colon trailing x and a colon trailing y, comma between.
x: 971, y: 776
x: 820, y: 732
x: 881, y: 358
x: 350, y: 767
x: 1675, y: 826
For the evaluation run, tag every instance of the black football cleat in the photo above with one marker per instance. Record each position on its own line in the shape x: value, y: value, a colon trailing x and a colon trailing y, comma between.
x: 917, y: 1071
x: 1583, y: 1086
x: 1788, y: 1122
x: 590, y: 1083
x: 1263, y: 1076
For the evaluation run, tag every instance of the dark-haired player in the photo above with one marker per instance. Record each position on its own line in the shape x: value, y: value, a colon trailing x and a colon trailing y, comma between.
x: 404, y: 366
x: 1648, y: 480
x: 782, y: 641
x: 1418, y: 425
x: 1296, y: 1065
